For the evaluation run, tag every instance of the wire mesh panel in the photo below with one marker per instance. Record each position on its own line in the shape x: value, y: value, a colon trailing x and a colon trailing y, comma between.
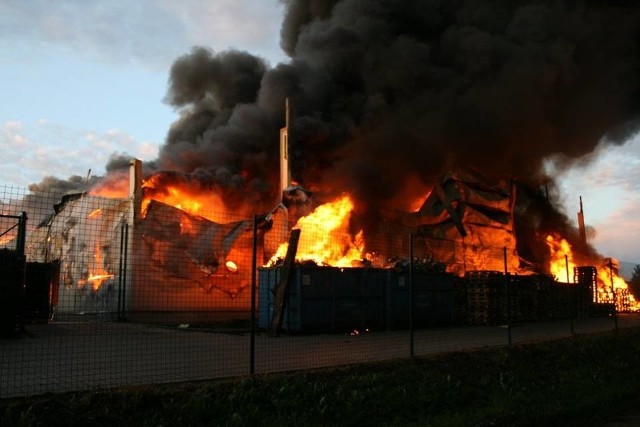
x: 12, y: 271
x: 112, y: 292
x: 113, y: 296
x: 10, y: 226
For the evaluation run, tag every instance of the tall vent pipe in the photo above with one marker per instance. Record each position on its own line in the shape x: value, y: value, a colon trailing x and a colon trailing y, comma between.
x: 582, y: 233
x: 285, y: 170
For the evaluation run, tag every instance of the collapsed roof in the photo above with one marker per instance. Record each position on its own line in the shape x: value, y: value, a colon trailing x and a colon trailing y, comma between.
x: 467, y: 223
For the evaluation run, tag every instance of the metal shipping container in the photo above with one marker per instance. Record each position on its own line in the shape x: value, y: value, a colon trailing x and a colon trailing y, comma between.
x: 326, y: 298
x: 432, y: 299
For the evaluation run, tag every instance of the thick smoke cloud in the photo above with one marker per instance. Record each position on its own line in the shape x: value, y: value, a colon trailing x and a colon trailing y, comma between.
x: 229, y: 78
x: 222, y: 136
x: 460, y: 84
x: 384, y: 89
x: 48, y: 192
x: 298, y: 14
x: 51, y: 184
x: 118, y: 162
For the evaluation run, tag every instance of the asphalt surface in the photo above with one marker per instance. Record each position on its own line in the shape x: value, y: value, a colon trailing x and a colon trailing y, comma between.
x: 76, y: 356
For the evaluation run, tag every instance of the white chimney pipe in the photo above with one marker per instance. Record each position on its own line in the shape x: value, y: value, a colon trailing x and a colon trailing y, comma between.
x: 285, y: 171
x: 135, y: 188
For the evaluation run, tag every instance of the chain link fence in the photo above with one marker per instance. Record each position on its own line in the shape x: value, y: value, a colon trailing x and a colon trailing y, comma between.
x: 98, y: 295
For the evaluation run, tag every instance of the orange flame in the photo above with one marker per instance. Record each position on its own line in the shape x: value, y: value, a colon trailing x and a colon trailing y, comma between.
x: 412, y: 195
x: 417, y: 202
x: 97, y: 274
x: 96, y: 280
x: 114, y: 188
x: 325, y: 237
x: 184, y: 195
x: 193, y: 201
x: 96, y: 212
x: 561, y: 264
x: 6, y: 239
x: 611, y: 287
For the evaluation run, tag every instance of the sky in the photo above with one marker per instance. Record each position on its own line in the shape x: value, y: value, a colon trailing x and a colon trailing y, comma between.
x: 82, y: 80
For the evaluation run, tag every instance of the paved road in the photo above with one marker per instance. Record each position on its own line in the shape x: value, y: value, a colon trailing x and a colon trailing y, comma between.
x: 74, y: 356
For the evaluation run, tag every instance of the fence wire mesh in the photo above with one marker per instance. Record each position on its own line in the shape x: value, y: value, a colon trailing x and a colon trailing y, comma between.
x: 102, y: 295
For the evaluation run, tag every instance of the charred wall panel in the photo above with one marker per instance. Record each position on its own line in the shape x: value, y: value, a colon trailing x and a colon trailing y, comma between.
x: 179, y: 262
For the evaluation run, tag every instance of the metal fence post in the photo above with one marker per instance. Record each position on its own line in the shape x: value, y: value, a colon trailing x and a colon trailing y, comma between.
x: 572, y: 293
x: 613, y: 291
x: 411, y: 331
x: 22, y: 233
x: 122, y: 272
x: 254, y: 266
x: 126, y: 275
x: 506, y: 284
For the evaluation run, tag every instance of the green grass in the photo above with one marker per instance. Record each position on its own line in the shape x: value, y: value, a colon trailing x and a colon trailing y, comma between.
x: 580, y: 381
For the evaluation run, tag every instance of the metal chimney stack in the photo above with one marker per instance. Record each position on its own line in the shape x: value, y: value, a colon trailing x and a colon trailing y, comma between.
x: 582, y: 233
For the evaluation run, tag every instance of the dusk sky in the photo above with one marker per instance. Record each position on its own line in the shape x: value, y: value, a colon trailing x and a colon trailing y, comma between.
x: 83, y: 80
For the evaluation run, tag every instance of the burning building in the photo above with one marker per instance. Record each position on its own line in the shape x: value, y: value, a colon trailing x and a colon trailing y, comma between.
x: 143, y: 255
x: 392, y: 104
x: 85, y: 235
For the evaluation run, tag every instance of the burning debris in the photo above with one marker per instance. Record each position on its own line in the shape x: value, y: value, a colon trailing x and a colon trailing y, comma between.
x: 420, y: 265
x: 325, y: 238
x: 609, y: 286
x: 475, y: 218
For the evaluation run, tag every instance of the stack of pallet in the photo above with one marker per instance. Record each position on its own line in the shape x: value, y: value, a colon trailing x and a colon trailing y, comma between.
x: 624, y: 303
x: 519, y: 295
x: 561, y: 300
x: 460, y: 301
x: 543, y: 296
x: 532, y: 292
x: 486, y: 302
x: 587, y: 277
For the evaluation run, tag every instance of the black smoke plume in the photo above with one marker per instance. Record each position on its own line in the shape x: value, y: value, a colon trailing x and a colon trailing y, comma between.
x: 385, y: 90
x: 389, y: 89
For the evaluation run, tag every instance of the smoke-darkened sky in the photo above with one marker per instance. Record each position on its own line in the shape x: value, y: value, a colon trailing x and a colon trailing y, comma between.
x: 380, y: 91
